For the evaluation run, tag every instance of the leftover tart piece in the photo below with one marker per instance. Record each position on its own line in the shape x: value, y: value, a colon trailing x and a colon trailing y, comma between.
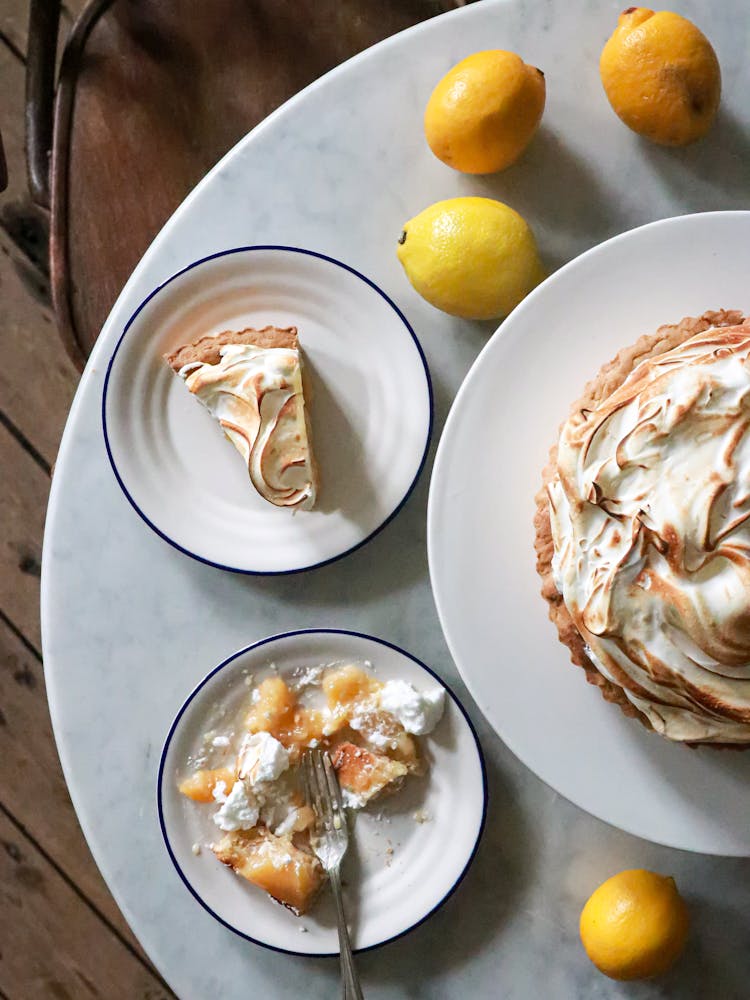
x: 369, y: 728
x: 363, y: 775
x: 288, y: 874
x: 201, y: 785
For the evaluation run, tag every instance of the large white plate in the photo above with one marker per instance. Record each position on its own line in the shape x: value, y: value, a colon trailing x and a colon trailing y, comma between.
x: 480, y: 532
x: 398, y: 870
x: 371, y: 410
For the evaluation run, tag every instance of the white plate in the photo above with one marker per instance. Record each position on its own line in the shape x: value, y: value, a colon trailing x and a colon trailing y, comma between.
x: 371, y: 410
x: 481, y: 535
x: 391, y: 893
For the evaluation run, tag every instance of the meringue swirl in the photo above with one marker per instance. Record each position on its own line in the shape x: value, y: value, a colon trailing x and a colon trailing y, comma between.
x: 255, y: 393
x: 650, y: 517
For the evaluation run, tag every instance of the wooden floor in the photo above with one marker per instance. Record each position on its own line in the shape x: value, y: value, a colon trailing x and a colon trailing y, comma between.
x: 61, y: 934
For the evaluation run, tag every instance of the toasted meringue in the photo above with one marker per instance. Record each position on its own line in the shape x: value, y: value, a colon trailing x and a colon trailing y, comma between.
x: 650, y: 518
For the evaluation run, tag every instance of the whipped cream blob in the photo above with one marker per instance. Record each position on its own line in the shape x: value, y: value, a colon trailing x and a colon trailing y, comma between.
x: 650, y: 517
x: 417, y: 711
x: 255, y: 393
x: 257, y: 794
x: 261, y: 759
x: 239, y: 810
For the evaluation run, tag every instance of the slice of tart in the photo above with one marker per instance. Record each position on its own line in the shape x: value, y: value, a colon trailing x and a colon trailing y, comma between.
x: 275, y: 864
x: 251, y: 381
x: 363, y: 775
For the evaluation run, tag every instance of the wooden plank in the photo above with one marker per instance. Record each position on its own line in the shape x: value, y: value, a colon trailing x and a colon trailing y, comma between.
x: 14, y: 24
x: 53, y: 944
x: 28, y: 759
x: 23, y: 499
x: 37, y: 381
x: 16, y: 197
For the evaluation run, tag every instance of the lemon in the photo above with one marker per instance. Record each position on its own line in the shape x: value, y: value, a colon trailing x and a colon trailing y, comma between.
x: 661, y: 76
x: 483, y: 113
x: 471, y: 257
x: 635, y: 925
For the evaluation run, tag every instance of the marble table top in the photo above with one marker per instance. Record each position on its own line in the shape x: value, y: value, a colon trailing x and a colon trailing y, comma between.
x: 130, y: 625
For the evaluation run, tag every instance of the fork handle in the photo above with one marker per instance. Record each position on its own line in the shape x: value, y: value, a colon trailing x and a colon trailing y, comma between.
x: 351, y: 990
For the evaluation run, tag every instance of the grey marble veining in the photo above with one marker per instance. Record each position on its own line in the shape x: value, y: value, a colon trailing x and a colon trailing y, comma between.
x: 130, y: 625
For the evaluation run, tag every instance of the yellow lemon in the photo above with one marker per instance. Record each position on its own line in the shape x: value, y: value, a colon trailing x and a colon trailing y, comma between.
x: 661, y: 76
x: 484, y: 112
x: 471, y: 257
x: 635, y: 925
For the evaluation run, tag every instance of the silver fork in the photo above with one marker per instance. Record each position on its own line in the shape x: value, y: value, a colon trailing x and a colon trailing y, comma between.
x: 330, y: 840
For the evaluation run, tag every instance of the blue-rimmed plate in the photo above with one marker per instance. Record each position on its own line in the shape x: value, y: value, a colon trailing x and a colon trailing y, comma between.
x: 408, y: 852
x: 371, y: 410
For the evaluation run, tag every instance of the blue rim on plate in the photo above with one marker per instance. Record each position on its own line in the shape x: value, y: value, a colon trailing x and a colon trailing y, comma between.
x: 397, y: 508
x: 265, y: 642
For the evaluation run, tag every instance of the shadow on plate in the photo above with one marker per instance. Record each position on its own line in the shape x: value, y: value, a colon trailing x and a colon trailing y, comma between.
x: 388, y: 563
x: 337, y: 447
x: 472, y: 917
x: 699, y: 774
x: 407, y: 801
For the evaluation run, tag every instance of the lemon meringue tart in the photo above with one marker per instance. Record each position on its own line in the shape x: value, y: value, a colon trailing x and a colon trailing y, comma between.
x: 643, y: 531
x: 251, y: 381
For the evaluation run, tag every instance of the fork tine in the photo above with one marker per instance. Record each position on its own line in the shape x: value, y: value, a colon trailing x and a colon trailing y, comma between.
x: 334, y: 793
x: 306, y: 786
x: 324, y: 797
x: 317, y: 796
x: 311, y: 787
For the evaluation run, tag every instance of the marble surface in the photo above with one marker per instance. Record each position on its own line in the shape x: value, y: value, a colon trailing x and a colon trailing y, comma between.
x: 130, y: 625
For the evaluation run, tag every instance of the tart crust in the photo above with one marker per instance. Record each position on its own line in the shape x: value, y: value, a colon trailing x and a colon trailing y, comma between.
x: 206, y: 350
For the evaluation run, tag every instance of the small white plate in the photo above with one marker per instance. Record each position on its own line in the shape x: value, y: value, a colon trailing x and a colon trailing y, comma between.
x: 371, y: 410
x: 481, y: 535
x: 399, y: 870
